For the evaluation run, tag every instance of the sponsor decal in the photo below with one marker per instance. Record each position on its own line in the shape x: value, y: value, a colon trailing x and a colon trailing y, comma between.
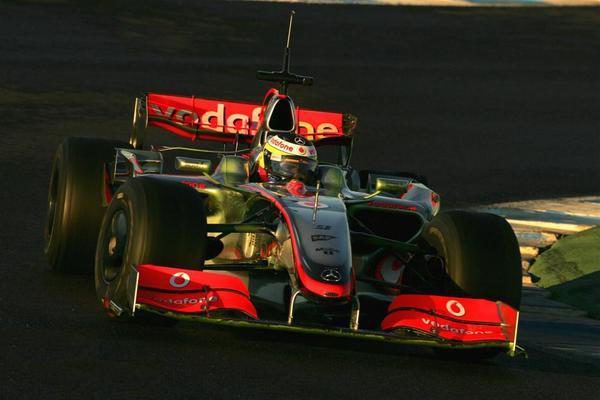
x: 311, y: 204
x: 453, y: 329
x: 185, y: 301
x: 232, y: 117
x: 327, y: 250
x: 455, y: 308
x: 195, y: 185
x: 280, y: 144
x: 331, y: 275
x: 288, y: 147
x: 322, y: 227
x: 179, y: 280
x: 217, y: 120
x: 319, y: 238
x: 307, y: 128
x: 382, y: 204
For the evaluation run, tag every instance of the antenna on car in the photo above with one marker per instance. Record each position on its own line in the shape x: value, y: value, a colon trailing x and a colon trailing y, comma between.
x: 285, y: 77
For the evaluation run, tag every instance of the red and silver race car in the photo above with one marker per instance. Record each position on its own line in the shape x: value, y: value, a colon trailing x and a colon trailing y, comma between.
x: 190, y: 233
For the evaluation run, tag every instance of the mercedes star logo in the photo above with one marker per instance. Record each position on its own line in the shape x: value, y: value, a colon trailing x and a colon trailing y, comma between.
x: 299, y: 140
x: 331, y: 275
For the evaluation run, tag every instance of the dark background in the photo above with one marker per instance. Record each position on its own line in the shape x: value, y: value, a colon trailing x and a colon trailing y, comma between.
x: 491, y: 104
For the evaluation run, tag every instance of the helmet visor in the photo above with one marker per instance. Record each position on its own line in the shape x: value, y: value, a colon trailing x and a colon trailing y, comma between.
x: 294, y: 167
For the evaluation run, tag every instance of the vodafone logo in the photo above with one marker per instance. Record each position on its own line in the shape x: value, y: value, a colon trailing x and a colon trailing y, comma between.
x: 455, y: 308
x: 232, y: 117
x: 179, y: 280
x: 297, y: 149
x: 186, y: 300
x: 281, y: 144
x: 455, y: 329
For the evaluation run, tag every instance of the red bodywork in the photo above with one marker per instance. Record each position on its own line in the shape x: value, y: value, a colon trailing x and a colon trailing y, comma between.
x: 458, y: 319
x: 189, y: 291
x: 461, y: 320
x: 196, y: 118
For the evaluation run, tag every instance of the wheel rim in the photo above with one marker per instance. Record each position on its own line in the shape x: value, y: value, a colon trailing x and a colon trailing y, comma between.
x: 114, y: 245
x: 52, y: 209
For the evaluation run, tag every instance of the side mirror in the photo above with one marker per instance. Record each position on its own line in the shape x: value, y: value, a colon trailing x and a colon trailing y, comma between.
x: 194, y: 165
x: 369, y: 176
x: 393, y: 186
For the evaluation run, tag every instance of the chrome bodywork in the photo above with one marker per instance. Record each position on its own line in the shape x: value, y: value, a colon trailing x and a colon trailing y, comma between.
x: 259, y: 237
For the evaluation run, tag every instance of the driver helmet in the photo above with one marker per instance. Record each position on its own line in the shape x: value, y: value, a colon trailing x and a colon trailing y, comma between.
x: 287, y: 156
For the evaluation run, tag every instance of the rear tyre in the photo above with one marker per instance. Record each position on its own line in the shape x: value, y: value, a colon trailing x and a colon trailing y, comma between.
x: 482, y: 260
x: 151, y: 220
x: 77, y: 199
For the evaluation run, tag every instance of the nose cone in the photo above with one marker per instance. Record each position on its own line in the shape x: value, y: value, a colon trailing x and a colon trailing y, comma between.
x: 325, y: 262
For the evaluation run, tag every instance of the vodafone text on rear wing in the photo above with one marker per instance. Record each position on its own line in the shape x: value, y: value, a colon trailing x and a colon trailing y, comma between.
x: 196, y: 118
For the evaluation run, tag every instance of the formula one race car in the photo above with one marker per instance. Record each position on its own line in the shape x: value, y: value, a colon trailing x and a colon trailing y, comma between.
x: 324, y: 249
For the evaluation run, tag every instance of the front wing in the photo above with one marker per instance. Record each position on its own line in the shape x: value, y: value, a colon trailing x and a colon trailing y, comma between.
x: 414, y: 319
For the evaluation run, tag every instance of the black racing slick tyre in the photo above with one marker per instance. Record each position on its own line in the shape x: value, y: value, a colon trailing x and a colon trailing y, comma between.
x: 77, y: 199
x: 151, y: 220
x: 481, y: 255
x: 482, y: 260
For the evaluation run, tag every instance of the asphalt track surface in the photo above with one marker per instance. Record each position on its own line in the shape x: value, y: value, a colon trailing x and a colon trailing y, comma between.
x: 492, y: 105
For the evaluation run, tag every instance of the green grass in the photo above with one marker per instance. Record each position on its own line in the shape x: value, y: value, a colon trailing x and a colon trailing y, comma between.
x: 570, y: 270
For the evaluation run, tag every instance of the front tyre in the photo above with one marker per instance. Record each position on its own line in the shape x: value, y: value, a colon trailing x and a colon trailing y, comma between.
x: 151, y: 220
x: 482, y: 260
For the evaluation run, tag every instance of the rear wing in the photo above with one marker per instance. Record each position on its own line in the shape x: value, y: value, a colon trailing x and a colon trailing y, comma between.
x: 197, y: 118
